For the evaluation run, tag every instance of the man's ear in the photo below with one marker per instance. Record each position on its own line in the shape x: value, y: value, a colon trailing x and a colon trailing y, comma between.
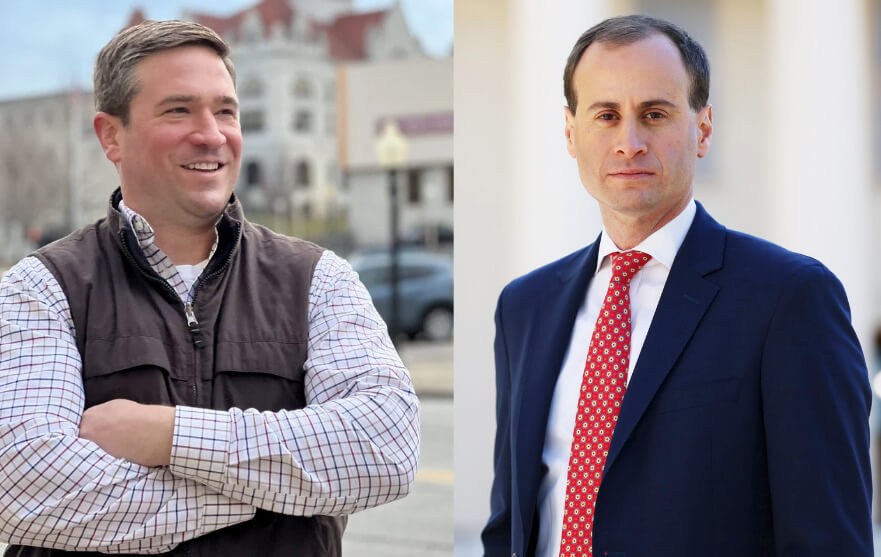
x: 108, y: 128
x: 570, y: 131
x: 705, y: 130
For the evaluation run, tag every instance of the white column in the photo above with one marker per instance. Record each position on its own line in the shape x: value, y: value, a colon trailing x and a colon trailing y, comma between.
x: 818, y: 151
x: 733, y: 175
x: 481, y: 173
x: 549, y: 214
x: 519, y: 202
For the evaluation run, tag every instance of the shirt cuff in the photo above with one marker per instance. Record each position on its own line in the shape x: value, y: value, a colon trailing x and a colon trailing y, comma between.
x: 200, y: 445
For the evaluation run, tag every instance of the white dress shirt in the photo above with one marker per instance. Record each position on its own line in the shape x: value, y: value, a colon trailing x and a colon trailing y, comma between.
x: 645, y: 291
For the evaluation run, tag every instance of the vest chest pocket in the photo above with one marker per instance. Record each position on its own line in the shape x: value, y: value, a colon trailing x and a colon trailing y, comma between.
x: 266, y: 375
x: 137, y: 368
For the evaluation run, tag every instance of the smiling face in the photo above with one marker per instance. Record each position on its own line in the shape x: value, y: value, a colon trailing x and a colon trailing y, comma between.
x: 179, y: 155
x: 634, y: 136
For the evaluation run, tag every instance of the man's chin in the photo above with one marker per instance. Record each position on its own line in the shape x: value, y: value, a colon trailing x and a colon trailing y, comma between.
x: 631, y: 202
x: 208, y: 205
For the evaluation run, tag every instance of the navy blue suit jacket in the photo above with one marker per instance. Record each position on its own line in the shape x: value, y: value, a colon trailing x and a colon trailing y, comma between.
x: 744, y: 429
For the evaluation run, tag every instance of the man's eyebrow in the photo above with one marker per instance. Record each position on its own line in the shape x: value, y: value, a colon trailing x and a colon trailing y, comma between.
x: 611, y: 105
x: 657, y: 102
x: 226, y: 99
x: 176, y: 99
x: 605, y: 105
x: 184, y: 99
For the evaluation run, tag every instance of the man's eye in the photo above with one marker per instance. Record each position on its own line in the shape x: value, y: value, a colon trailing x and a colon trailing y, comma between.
x: 227, y: 112
x: 177, y: 110
x: 606, y: 116
x: 655, y: 115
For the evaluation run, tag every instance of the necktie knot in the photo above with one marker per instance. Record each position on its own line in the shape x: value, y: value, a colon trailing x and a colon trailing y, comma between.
x: 626, y: 264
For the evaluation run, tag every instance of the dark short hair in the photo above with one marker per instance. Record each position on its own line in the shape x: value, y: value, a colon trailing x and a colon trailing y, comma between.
x: 115, y: 83
x: 625, y: 30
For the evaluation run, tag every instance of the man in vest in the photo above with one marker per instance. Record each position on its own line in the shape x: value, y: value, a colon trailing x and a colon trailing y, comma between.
x: 174, y: 378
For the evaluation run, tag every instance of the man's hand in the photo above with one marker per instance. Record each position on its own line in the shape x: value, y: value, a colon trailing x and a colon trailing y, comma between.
x: 139, y: 433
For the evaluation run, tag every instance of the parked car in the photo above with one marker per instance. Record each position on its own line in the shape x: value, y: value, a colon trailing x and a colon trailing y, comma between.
x: 425, y: 288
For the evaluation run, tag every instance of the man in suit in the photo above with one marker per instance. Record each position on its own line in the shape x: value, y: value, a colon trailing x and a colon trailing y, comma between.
x: 674, y: 388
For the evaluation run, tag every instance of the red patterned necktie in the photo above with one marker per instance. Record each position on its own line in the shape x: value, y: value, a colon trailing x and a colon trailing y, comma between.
x: 602, y: 390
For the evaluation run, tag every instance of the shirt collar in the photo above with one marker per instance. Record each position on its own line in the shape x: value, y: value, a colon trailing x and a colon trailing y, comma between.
x: 144, y: 232
x: 662, y: 244
x: 138, y: 224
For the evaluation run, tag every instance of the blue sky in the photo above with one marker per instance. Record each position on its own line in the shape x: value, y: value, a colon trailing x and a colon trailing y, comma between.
x: 48, y: 45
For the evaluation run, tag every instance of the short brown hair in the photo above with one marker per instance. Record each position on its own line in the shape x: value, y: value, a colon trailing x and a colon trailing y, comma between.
x: 115, y: 83
x: 625, y: 30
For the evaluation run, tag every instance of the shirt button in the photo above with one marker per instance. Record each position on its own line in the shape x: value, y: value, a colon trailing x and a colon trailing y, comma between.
x: 139, y: 224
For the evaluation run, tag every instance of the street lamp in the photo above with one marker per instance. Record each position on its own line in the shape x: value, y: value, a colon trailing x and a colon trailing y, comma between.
x: 391, y: 154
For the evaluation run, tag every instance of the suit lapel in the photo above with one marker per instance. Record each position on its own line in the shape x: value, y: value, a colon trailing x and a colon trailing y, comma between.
x: 684, y: 300
x: 547, y: 336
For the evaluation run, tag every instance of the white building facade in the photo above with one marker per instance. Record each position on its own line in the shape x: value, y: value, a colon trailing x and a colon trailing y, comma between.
x: 287, y: 54
x: 417, y: 96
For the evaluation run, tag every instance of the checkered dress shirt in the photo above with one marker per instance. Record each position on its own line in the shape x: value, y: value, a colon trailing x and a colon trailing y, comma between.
x: 353, y: 447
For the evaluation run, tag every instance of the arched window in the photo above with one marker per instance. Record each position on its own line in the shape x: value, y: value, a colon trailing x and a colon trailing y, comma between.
x: 252, y: 174
x: 251, y: 120
x: 303, y: 174
x: 303, y: 121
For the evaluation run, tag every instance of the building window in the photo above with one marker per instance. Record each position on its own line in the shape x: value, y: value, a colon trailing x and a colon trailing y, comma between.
x: 302, y: 88
x: 252, y: 120
x: 252, y: 174
x: 450, y: 188
x: 414, y: 186
x: 303, y: 121
x: 302, y: 174
x: 252, y: 87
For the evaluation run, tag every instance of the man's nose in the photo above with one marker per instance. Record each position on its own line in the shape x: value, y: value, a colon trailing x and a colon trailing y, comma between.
x: 206, y: 131
x: 631, y: 140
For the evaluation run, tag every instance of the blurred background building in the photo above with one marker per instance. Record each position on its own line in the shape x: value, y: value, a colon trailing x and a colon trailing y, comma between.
x: 795, y: 159
x: 414, y: 95
x: 311, y: 78
x: 317, y: 80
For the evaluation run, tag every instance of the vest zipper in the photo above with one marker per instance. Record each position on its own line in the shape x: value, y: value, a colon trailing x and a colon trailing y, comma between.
x: 193, y: 325
x: 198, y: 343
x: 189, y: 314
